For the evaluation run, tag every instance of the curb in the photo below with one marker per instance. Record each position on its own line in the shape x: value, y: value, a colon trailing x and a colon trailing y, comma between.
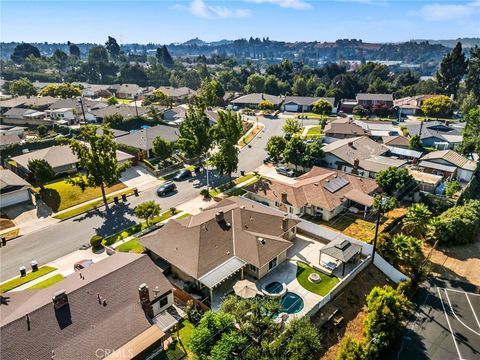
x: 261, y: 130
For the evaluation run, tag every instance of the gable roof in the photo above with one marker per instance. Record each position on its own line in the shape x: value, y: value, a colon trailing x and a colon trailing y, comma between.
x: 399, y: 140
x: 6, y: 140
x: 257, y: 98
x: 56, y: 156
x: 143, y: 138
x: 344, y: 128
x: 125, y: 110
x: 177, y: 92
x: 307, y: 100
x: 199, y: 244
x: 78, y: 329
x: 360, y: 148
x: 437, y: 129
x: 314, y: 188
x: 452, y: 157
x: 374, y: 97
x: 10, y: 181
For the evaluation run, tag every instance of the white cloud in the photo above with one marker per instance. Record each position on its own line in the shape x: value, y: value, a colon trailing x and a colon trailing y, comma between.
x: 447, y: 12
x: 200, y: 9
x: 291, y: 4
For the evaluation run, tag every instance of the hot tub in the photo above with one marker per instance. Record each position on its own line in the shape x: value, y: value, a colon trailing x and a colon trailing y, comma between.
x: 275, y: 289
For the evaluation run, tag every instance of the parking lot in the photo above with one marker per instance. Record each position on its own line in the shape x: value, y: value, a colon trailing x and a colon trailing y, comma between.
x: 446, y: 324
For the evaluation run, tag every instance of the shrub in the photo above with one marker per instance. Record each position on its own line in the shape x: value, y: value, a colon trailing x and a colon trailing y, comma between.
x: 96, y: 241
x: 205, y: 193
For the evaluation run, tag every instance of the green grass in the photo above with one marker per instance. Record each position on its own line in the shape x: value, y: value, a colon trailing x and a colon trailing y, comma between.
x: 48, y: 282
x: 59, y: 195
x: 84, y: 208
x: 315, y: 130
x: 183, y: 216
x: 137, y: 228
x: 131, y: 246
x: 323, y: 287
x: 225, y: 187
x: 310, y: 115
x: 181, y: 350
x: 12, y: 284
x: 237, y: 192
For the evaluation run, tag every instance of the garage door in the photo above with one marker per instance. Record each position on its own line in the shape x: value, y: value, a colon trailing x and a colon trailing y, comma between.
x: 14, y: 198
x: 291, y: 108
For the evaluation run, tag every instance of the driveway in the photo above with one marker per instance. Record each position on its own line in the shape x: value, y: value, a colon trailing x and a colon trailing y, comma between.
x: 138, y: 177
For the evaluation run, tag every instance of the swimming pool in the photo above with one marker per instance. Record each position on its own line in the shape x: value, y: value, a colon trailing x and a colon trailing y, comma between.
x: 292, y: 303
x: 274, y: 287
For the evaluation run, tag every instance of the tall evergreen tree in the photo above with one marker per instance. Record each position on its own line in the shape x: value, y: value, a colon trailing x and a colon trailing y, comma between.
x: 112, y: 47
x: 74, y: 50
x: 473, y: 72
x: 164, y: 57
x: 452, y: 69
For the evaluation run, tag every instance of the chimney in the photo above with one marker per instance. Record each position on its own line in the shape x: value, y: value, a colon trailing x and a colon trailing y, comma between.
x: 60, y: 299
x: 284, y: 197
x: 219, y: 216
x: 356, y: 164
x: 145, y: 300
x: 285, y: 224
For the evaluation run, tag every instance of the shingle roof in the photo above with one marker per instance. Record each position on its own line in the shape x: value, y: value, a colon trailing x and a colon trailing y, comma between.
x: 360, y: 148
x: 143, y: 138
x: 378, y: 163
x: 307, y: 100
x: 6, y: 140
x: 176, y: 92
x: 341, y: 249
x: 78, y: 329
x: 311, y: 188
x: 396, y: 141
x: 199, y: 244
x: 453, y: 158
x: 436, y: 129
x: 374, y: 97
x: 343, y: 128
x: 56, y: 156
x: 124, y: 110
x: 8, y: 180
x: 257, y: 98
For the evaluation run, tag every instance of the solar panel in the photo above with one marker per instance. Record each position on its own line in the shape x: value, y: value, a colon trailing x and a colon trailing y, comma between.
x: 336, y: 184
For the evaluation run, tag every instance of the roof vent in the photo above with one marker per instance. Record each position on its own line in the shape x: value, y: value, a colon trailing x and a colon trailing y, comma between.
x: 60, y: 299
x: 262, y: 241
x: 242, y: 207
x: 220, y: 216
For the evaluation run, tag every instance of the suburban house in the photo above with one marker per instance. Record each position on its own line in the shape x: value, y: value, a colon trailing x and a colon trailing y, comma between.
x: 426, y: 182
x: 142, y: 139
x: 411, y: 105
x: 303, y: 103
x: 398, y: 141
x: 122, y: 303
x: 29, y: 102
x: 368, y: 101
x: 65, y: 115
x: 178, y: 95
x: 320, y: 192
x: 377, y: 129
x: 25, y: 116
x: 174, y: 114
x: 212, y: 116
x: 347, y: 105
x: 251, y: 101
x: 126, y: 111
x: 229, y: 239
x: 71, y: 109
x: 448, y: 164
x: 360, y: 155
x: 10, y: 134
x: 13, y: 189
x: 340, y: 129
x: 438, y: 134
x: 8, y: 140
x: 60, y: 157
x: 126, y: 91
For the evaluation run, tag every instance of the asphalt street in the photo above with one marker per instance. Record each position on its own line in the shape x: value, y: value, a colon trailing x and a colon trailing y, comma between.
x: 64, y: 237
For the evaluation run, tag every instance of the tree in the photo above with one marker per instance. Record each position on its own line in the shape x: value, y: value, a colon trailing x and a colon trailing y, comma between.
x: 394, y: 179
x: 255, y: 84
x: 275, y: 148
x: 322, y: 107
x: 299, y: 86
x: 162, y: 149
x: 211, y: 92
x: 294, y: 151
x: 195, y: 134
x: 23, y: 51
x: 381, y: 110
x: 225, y: 159
x: 74, y: 50
x: 112, y: 47
x: 147, y: 210
x: 60, y: 58
x: 313, y: 154
x: 228, y: 128
x: 472, y: 80
x: 133, y: 74
x: 437, y: 106
x: 271, y: 85
x: 164, y: 58
x: 359, y: 110
x: 23, y: 86
x: 64, y: 91
x: 351, y: 349
x: 416, y: 220
x: 452, y: 69
x: 291, y: 126
x: 42, y: 130
x: 415, y: 143
x: 42, y: 172
x: 97, y: 155
x: 112, y: 100
x: 469, y: 102
x: 471, y: 132
x: 452, y: 188
x: 265, y: 105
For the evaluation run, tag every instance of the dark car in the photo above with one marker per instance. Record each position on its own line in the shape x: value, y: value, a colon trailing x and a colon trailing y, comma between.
x: 182, y: 175
x: 166, y: 188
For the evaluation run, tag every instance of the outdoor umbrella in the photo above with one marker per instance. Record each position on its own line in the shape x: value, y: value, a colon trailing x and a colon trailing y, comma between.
x: 245, y: 289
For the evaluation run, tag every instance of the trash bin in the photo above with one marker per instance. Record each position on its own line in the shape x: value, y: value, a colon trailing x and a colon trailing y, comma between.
x: 124, y: 197
x: 23, y: 271
x: 242, y: 172
x: 4, y: 241
x: 135, y: 191
x: 116, y: 199
x: 34, y: 265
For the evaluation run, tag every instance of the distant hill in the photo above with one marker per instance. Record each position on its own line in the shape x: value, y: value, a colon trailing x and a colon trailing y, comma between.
x: 466, y: 42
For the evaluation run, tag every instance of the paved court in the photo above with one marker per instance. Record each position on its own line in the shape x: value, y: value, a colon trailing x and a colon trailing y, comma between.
x: 446, y: 324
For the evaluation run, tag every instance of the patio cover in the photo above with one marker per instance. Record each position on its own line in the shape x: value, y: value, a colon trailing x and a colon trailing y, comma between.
x: 137, y: 344
x: 359, y: 197
x: 222, y: 272
x: 405, y: 152
x: 436, y: 166
x: 341, y: 249
x: 165, y: 320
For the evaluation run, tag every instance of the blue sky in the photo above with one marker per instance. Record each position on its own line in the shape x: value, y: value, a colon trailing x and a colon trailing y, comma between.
x: 166, y: 21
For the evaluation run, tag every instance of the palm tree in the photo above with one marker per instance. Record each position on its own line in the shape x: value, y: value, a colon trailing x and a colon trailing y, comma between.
x: 416, y: 220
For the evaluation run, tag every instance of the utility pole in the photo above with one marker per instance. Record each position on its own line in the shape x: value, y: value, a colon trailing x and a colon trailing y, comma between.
x: 83, y: 110
x: 377, y: 225
x: 135, y: 101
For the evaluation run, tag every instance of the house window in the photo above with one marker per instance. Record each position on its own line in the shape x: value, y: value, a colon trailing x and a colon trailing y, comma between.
x: 252, y: 268
x: 272, y: 263
x: 163, y: 301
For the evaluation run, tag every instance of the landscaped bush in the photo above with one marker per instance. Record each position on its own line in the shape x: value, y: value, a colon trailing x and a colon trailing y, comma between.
x: 96, y: 241
x: 205, y: 193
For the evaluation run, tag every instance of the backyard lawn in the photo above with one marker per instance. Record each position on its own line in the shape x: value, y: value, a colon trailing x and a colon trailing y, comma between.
x: 181, y: 348
x: 131, y: 246
x: 323, y: 287
x: 48, y: 282
x: 59, y: 195
x: 12, y: 284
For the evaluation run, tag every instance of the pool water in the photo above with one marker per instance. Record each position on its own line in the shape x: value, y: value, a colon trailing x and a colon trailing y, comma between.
x: 274, y: 287
x: 292, y: 303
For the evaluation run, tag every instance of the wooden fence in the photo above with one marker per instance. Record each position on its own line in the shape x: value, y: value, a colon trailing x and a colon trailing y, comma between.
x: 183, y: 297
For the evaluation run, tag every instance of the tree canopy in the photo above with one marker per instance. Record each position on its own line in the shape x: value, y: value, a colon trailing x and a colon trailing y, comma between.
x: 147, y: 210
x: 162, y: 148
x: 195, y: 133
x: 22, y: 86
x: 23, y: 51
x: 438, y: 106
x: 64, y: 91
x: 275, y: 148
x: 452, y: 69
x: 42, y: 172
x: 394, y: 179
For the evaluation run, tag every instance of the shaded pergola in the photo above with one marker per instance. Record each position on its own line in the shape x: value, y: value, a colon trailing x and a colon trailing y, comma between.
x: 342, y: 250
x: 360, y: 198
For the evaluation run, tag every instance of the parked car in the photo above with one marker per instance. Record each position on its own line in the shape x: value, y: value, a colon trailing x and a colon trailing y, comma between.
x: 283, y: 170
x: 182, y: 175
x: 166, y: 188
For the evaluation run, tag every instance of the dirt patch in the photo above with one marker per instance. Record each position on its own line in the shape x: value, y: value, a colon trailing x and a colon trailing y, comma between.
x: 349, y: 312
x: 457, y: 262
